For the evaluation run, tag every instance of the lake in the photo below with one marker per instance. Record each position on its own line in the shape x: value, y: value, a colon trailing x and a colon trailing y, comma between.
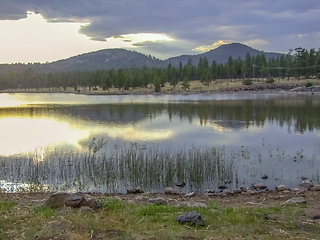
x: 104, y: 143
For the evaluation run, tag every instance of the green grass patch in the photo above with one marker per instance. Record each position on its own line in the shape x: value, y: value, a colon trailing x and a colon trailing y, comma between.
x: 44, y: 212
x: 6, y: 206
x: 122, y: 220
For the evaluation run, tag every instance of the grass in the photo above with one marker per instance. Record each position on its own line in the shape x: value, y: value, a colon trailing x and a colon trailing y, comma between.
x: 122, y: 220
x: 134, y: 165
x: 152, y: 169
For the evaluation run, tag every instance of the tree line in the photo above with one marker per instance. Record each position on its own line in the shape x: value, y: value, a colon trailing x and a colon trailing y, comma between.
x: 298, y: 63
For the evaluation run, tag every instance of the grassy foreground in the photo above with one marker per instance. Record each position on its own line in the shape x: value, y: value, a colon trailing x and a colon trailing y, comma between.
x: 260, y: 216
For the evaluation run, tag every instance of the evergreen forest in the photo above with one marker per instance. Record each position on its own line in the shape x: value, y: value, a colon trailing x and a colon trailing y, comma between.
x: 298, y: 63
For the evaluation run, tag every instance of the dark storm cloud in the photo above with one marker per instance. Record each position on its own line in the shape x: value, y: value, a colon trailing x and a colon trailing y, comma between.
x: 191, y: 22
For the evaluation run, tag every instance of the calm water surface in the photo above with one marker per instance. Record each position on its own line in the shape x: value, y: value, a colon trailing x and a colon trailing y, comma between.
x: 271, y: 134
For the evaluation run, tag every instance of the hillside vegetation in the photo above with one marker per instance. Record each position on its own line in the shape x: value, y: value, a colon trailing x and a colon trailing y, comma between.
x: 303, y: 64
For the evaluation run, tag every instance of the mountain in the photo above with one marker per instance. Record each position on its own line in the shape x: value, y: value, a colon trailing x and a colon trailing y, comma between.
x: 221, y: 54
x: 105, y: 59
x: 121, y: 58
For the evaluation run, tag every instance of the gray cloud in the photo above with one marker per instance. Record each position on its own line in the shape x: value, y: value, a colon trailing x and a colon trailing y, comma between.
x: 270, y: 25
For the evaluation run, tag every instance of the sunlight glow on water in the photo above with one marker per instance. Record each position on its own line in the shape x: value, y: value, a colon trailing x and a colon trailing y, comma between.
x: 27, y: 134
x: 23, y: 134
x: 7, y: 100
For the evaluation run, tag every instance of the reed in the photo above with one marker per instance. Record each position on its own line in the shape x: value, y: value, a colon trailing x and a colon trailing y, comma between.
x: 110, y: 169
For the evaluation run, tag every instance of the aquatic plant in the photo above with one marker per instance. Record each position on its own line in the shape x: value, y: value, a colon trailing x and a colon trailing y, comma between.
x: 126, y: 166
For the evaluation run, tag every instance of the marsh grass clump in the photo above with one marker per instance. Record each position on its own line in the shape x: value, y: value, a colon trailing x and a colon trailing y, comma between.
x: 120, y: 167
x: 124, y: 166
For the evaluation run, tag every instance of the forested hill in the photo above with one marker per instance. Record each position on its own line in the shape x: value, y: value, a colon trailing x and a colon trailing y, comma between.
x: 103, y: 59
x: 121, y: 58
x: 221, y: 54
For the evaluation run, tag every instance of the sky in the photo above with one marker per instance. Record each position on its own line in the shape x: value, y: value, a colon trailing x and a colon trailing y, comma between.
x: 49, y: 30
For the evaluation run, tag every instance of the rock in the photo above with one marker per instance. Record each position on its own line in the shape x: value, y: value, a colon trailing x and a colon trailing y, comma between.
x: 92, y: 203
x: 248, y: 192
x: 158, y: 201
x: 306, y: 184
x: 170, y: 191
x: 85, y: 209
x: 267, y: 217
x: 296, y: 200
x: 56, y: 200
x: 190, y: 217
x: 281, y: 188
x: 180, y: 184
x: 209, y: 191
x: 264, y: 177
x: 243, y: 189
x: 259, y: 186
x: 227, y: 193
x: 190, y: 194
x: 73, y: 200
x: 315, y: 188
x: 192, y: 204
x: 210, y: 194
x: 139, y: 198
x: 135, y: 190
x: 300, y: 189
x: 236, y: 191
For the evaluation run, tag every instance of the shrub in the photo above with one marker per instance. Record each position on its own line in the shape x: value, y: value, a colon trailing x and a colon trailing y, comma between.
x: 270, y: 80
x: 308, y: 84
x: 248, y: 81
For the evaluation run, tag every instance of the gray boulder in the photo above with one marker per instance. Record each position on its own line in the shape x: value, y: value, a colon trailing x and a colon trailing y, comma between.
x: 56, y: 200
x: 171, y: 191
x: 92, y: 203
x: 307, y: 184
x: 135, y: 190
x: 237, y: 191
x: 296, y: 200
x: 300, y: 189
x: 85, y: 209
x: 281, y: 188
x: 158, y: 201
x: 192, y: 194
x: 315, y: 188
x: 259, y: 186
x: 73, y: 200
x: 192, y: 204
x: 191, y: 217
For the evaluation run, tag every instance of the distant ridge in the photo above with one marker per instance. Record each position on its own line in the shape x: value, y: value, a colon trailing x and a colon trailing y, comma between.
x: 121, y: 58
x: 221, y: 54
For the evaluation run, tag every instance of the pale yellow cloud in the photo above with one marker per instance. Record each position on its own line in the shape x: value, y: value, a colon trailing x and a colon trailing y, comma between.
x: 207, y: 48
x: 256, y: 42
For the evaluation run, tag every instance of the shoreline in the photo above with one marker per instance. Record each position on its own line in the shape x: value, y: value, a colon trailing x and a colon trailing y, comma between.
x: 222, y: 87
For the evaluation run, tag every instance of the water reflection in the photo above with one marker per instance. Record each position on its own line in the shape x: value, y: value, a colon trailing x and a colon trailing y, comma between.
x: 259, y: 125
x: 27, y: 127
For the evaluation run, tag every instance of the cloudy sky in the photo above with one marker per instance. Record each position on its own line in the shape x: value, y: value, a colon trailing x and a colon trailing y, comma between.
x: 48, y: 30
